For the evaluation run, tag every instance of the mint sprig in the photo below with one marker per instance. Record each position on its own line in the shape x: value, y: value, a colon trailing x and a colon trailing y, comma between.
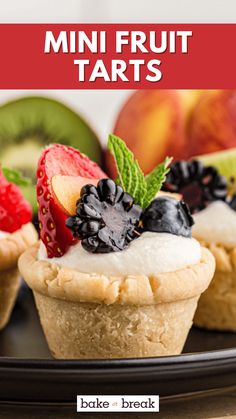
x: 14, y: 176
x: 130, y: 176
x: 155, y: 180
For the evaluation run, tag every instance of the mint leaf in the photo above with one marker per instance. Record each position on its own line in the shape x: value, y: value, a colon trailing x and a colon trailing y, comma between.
x: 154, y: 181
x: 130, y: 176
x: 14, y: 176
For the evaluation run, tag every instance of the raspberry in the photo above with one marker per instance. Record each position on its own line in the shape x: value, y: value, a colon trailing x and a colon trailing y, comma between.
x: 14, y: 209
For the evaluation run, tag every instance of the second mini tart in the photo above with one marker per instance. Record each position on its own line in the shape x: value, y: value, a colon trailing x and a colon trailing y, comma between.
x: 216, y: 228
x: 17, y: 234
x: 206, y: 191
x: 11, y: 247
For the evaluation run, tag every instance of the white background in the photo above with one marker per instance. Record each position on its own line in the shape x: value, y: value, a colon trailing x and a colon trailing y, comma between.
x: 101, y: 107
x: 40, y: 11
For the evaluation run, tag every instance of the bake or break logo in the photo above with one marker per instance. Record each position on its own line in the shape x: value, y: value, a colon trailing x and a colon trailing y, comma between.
x: 133, y: 55
x: 117, y: 404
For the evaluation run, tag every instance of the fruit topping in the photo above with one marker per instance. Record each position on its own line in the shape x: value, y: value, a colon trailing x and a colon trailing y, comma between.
x: 14, y: 209
x: 168, y: 215
x: 106, y: 218
x: 197, y: 184
x: 66, y: 191
x: 59, y: 160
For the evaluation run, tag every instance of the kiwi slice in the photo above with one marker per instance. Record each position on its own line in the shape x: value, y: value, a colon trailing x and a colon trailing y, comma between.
x: 30, y: 123
x: 225, y: 162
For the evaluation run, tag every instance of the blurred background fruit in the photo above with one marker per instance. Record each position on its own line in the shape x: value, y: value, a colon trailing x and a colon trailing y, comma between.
x: 30, y: 123
x: 153, y: 125
x: 212, y: 126
x: 225, y: 162
x: 178, y: 123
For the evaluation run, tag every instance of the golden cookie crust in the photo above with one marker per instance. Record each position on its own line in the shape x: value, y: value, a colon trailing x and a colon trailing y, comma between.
x: 225, y: 257
x: 77, y: 330
x: 217, y: 305
x: 13, y: 245
x: 9, y: 286
x: 68, y: 284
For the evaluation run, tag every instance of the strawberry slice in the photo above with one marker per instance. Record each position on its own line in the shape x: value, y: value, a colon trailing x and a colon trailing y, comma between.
x: 14, y: 209
x: 58, y: 159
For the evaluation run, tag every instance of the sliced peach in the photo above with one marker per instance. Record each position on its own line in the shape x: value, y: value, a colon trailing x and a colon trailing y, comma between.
x: 66, y: 190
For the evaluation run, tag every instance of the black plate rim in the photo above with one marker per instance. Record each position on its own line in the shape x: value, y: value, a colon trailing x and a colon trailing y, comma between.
x: 206, y: 359
x: 30, y: 375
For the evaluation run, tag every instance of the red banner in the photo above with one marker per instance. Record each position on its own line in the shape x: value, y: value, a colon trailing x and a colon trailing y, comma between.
x: 117, y: 56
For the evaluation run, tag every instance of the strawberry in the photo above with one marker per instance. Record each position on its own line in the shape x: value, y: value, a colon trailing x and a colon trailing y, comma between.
x: 14, y: 209
x: 58, y: 159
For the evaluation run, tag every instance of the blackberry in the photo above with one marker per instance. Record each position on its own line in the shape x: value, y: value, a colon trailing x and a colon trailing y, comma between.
x: 168, y: 215
x: 198, y: 184
x: 106, y: 218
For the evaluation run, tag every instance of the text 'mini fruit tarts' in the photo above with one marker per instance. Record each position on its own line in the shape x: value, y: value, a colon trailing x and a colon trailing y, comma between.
x: 206, y: 193
x: 116, y: 273
x: 16, y: 234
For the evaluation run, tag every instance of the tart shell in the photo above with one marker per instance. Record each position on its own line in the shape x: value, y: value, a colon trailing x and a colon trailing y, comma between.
x: 14, y: 244
x: 99, y: 331
x: 11, y: 247
x: 68, y: 284
x: 96, y: 316
x: 9, y: 286
x: 217, y: 305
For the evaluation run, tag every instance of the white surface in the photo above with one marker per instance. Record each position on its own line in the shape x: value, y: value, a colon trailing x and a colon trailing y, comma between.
x: 117, y: 11
x: 216, y: 224
x: 150, y: 254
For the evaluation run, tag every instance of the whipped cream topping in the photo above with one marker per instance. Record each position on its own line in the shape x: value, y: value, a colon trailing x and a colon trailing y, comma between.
x: 150, y: 254
x: 216, y: 224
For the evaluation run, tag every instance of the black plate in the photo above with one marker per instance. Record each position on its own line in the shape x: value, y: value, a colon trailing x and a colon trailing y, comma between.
x: 29, y: 374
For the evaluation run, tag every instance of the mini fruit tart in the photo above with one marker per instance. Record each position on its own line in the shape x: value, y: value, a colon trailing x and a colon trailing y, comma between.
x: 206, y: 192
x: 16, y: 234
x: 116, y: 273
